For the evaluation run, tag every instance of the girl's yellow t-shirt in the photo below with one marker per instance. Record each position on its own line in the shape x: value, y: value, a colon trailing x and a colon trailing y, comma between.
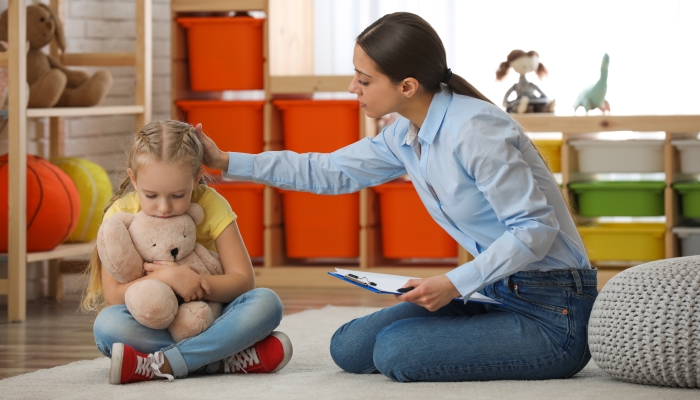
x: 217, y: 213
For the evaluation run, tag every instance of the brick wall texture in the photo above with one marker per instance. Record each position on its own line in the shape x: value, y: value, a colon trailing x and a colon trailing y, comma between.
x: 106, y: 26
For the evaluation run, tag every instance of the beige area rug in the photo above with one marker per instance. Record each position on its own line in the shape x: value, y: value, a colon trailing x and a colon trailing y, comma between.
x: 311, y: 374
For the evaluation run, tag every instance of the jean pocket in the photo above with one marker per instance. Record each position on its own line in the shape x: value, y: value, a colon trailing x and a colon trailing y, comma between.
x: 589, y: 294
x: 546, y: 298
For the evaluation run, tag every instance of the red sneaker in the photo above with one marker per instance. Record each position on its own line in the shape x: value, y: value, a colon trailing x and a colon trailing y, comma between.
x: 268, y: 355
x: 129, y: 365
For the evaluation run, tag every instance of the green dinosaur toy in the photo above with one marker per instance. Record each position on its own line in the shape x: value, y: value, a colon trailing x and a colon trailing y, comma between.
x: 594, y: 96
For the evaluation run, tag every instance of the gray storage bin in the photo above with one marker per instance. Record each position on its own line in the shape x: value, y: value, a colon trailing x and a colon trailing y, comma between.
x: 690, y: 240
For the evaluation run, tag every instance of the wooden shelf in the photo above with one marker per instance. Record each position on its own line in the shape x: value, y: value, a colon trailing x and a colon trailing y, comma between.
x: 217, y: 5
x: 61, y: 251
x: 607, y: 123
x: 309, y: 84
x: 83, y: 111
x: 89, y: 59
x: 15, y: 59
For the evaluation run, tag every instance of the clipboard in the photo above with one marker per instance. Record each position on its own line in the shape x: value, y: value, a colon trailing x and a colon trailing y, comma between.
x: 388, y: 284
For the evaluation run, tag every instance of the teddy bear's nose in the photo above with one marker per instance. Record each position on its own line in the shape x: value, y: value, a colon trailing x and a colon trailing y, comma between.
x: 174, y: 252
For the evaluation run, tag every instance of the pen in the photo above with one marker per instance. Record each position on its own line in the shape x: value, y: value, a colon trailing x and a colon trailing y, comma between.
x: 405, y: 289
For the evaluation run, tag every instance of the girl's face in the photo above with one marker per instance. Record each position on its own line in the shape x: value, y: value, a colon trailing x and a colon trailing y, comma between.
x: 164, y: 190
x: 375, y: 92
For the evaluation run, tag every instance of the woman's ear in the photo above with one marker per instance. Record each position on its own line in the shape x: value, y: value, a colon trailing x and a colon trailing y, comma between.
x: 409, y: 87
x: 130, y: 172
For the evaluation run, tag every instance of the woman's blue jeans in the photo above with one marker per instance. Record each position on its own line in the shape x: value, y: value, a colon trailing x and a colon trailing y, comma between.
x: 538, y: 332
x: 243, y: 322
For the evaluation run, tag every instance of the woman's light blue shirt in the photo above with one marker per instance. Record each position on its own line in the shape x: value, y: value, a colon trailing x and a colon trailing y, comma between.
x: 491, y: 190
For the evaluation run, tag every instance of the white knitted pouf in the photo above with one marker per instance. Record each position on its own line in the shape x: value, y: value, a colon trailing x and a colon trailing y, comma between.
x: 645, y: 324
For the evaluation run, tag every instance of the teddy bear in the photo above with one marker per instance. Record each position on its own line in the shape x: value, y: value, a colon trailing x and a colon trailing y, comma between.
x: 126, y: 241
x: 50, y: 82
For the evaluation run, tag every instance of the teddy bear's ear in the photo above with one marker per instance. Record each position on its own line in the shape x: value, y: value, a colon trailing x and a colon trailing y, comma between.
x: 58, y: 33
x: 3, y: 27
x: 196, y: 212
x: 125, y: 217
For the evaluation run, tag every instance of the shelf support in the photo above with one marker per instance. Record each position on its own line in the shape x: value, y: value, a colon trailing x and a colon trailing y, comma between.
x: 144, y: 61
x: 17, y: 149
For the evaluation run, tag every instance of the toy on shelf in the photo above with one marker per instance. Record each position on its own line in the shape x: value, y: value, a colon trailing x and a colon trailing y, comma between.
x: 50, y: 82
x: 594, y: 96
x: 528, y: 97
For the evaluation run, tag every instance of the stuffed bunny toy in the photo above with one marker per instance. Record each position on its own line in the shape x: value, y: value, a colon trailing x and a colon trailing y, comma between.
x: 126, y: 241
x: 50, y: 83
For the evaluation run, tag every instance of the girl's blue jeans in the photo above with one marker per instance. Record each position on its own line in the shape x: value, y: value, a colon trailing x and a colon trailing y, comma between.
x: 538, y: 332
x: 243, y: 322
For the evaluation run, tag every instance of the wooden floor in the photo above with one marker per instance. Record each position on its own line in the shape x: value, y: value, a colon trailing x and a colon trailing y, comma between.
x: 56, y: 334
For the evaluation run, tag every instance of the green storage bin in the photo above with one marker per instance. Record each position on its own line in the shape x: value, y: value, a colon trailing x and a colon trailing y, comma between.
x: 619, y: 199
x: 690, y: 198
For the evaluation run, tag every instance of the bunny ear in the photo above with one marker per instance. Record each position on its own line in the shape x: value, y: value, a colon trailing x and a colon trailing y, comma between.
x: 3, y: 26
x: 58, y: 33
x: 196, y: 212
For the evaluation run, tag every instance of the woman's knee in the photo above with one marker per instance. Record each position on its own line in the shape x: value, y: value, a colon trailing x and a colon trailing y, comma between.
x: 342, y: 352
x: 352, y: 350
x: 392, y: 352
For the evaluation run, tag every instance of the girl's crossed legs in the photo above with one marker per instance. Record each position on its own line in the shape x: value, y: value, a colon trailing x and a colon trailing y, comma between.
x: 245, y: 321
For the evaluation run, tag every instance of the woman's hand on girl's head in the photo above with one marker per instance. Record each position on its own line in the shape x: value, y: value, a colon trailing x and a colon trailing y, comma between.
x: 213, y: 157
x: 430, y: 293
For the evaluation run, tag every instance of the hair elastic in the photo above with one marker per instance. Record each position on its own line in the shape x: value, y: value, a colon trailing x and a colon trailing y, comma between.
x: 448, y: 76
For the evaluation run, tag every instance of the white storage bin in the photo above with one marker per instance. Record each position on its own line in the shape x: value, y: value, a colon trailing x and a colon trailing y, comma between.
x: 602, y: 156
x: 689, y: 154
x: 690, y: 240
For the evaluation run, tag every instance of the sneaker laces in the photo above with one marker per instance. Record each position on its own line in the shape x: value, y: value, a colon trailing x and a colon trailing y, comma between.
x: 241, y: 360
x: 150, y: 366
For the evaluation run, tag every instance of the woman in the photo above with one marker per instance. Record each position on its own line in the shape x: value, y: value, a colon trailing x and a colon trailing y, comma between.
x: 484, y: 182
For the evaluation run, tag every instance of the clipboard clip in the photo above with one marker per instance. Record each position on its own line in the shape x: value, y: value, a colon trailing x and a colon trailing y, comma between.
x: 359, y: 279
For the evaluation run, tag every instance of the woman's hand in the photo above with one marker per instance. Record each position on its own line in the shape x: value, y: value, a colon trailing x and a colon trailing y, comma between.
x: 430, y: 293
x: 213, y: 157
x: 182, y: 279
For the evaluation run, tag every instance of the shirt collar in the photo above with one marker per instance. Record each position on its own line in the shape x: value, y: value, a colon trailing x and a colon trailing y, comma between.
x: 433, y: 121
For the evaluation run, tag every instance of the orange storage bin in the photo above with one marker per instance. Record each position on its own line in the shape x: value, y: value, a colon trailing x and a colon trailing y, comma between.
x: 233, y: 125
x: 320, y: 226
x: 225, y: 53
x: 408, y: 230
x: 320, y: 126
x: 246, y: 200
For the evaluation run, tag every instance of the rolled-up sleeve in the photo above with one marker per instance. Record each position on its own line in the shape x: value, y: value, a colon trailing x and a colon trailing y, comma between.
x: 367, y: 162
x: 489, y: 149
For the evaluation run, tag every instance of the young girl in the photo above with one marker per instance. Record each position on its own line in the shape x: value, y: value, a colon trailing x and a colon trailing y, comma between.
x: 484, y: 182
x: 164, y: 168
